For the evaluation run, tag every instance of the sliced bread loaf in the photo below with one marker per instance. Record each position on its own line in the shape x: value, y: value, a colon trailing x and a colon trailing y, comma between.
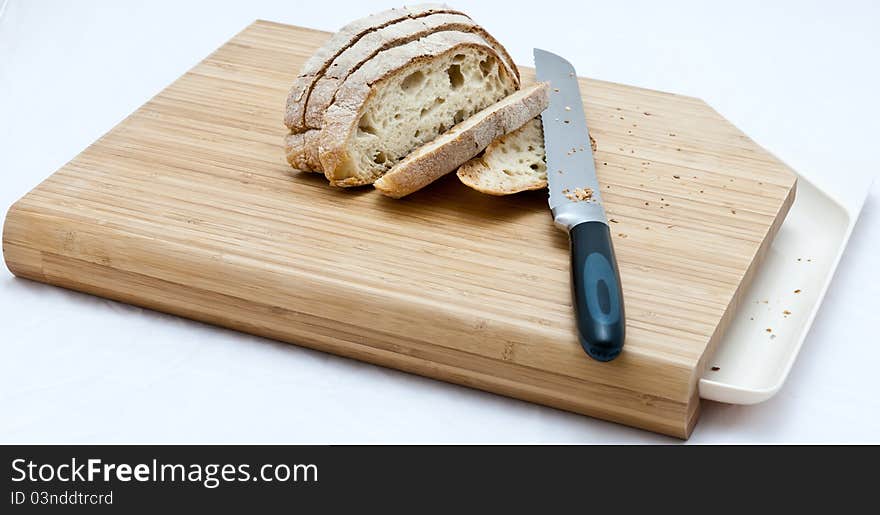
x: 324, y: 88
x: 301, y: 151
x: 462, y: 142
x: 511, y: 164
x: 405, y: 97
x: 341, y: 40
x: 321, y: 95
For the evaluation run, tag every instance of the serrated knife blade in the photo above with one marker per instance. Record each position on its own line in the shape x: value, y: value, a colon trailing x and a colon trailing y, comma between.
x: 570, y: 163
x: 576, y: 204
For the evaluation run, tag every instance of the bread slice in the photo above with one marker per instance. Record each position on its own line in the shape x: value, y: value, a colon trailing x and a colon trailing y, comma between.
x: 341, y: 40
x: 405, y: 97
x: 324, y: 88
x: 511, y: 164
x: 464, y: 141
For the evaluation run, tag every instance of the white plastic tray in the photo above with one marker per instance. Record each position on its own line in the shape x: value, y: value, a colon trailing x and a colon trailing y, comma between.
x: 751, y: 364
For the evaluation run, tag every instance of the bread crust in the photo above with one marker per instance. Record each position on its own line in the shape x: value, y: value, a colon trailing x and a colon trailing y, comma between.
x: 314, y: 67
x: 464, y: 141
x: 341, y: 118
x: 301, y: 151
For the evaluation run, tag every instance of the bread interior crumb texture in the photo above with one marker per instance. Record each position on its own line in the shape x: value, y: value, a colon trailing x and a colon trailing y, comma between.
x: 415, y: 107
x: 512, y: 163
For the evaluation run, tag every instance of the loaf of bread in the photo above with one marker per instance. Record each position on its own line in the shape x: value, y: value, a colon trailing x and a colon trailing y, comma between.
x: 344, y: 38
x: 405, y: 97
x: 324, y: 87
x: 462, y: 142
x: 315, y: 89
x: 302, y: 152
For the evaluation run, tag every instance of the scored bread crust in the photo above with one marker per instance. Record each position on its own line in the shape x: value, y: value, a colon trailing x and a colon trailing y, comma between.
x: 348, y: 35
x: 342, y: 117
x: 513, y: 163
x: 301, y: 151
x: 464, y: 141
x: 324, y: 88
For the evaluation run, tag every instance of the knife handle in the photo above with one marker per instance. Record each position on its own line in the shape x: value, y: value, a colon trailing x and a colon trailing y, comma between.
x: 598, y: 298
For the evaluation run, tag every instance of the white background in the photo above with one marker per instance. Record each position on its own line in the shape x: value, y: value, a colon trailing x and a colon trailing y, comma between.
x: 801, y: 78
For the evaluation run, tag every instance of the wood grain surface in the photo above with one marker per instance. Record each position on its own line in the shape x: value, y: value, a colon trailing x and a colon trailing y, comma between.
x: 188, y: 207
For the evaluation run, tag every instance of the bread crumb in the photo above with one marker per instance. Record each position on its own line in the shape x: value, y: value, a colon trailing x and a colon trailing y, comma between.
x: 613, y: 221
x: 579, y: 194
x: 716, y: 369
x: 733, y: 211
x: 786, y: 312
x: 676, y: 177
x: 769, y: 330
x: 797, y: 291
x: 622, y: 235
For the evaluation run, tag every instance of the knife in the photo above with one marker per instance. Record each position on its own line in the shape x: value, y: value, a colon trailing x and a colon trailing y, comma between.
x: 576, y: 204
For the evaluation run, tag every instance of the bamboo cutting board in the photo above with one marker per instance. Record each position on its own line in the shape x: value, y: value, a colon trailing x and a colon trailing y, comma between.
x: 188, y: 207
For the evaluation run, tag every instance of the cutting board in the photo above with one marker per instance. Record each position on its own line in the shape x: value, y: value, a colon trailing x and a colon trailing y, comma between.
x: 188, y: 207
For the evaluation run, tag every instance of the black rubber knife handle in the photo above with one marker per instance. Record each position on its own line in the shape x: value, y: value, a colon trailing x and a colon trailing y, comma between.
x: 598, y: 298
